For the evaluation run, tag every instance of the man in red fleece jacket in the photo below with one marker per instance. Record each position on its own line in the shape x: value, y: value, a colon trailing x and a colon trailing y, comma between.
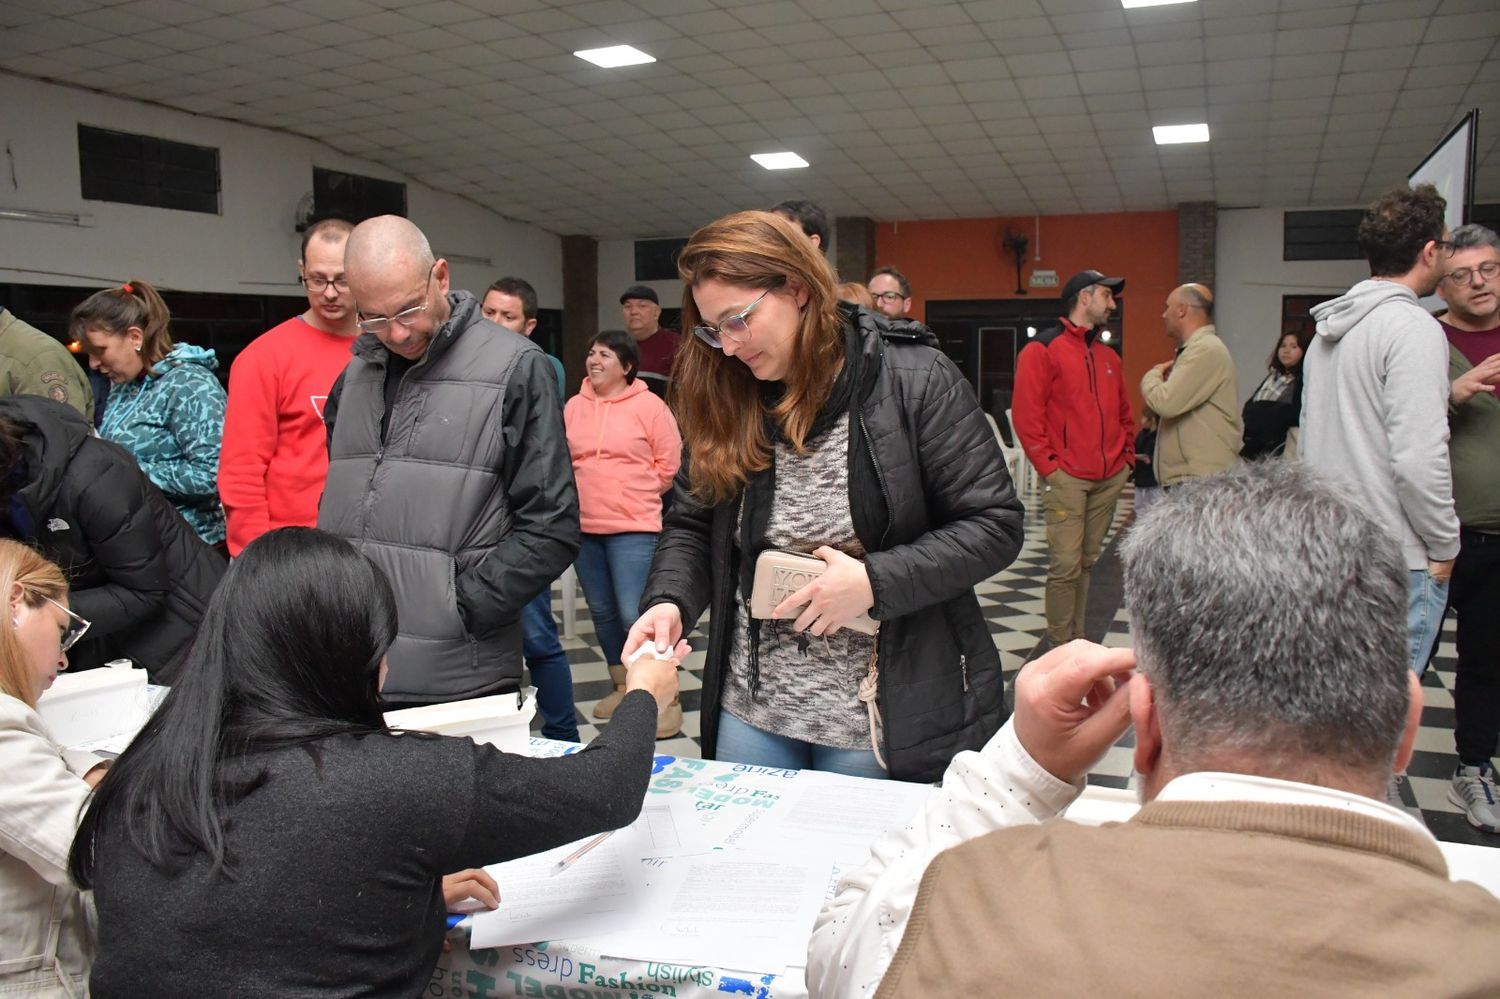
x: 275, y: 452
x: 1073, y: 419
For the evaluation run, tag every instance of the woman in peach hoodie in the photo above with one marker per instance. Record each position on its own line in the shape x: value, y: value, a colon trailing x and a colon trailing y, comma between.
x: 625, y: 449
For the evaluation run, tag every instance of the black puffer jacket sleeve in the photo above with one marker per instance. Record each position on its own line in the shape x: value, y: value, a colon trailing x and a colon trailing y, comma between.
x: 681, y: 569
x: 538, y: 477
x: 969, y: 497
x: 114, y: 514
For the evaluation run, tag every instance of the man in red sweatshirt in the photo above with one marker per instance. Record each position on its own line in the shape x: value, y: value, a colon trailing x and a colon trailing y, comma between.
x: 1073, y: 419
x: 275, y: 452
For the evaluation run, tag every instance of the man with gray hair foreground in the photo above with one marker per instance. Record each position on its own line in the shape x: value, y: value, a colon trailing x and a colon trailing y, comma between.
x: 1271, y: 701
x: 448, y: 467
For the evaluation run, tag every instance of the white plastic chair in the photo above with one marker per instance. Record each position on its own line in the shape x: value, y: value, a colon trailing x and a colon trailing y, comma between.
x: 1024, y: 474
x: 568, y: 582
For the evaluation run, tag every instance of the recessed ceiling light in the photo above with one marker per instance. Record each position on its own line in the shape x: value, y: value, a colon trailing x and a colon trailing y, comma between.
x: 616, y: 56
x: 1167, y: 135
x: 1128, y: 4
x: 779, y: 161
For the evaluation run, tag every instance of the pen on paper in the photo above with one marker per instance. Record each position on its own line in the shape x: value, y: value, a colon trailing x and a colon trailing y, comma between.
x: 566, y: 862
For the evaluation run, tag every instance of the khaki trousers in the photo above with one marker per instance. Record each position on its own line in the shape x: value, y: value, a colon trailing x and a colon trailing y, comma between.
x: 1079, y: 512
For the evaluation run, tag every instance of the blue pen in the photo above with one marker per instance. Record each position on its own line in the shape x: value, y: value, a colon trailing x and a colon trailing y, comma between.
x: 456, y: 918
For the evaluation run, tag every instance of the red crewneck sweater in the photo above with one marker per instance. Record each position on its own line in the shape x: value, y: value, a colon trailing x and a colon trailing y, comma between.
x: 275, y: 452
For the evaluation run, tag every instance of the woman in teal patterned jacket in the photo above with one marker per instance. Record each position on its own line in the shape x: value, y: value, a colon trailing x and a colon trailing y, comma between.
x: 165, y: 406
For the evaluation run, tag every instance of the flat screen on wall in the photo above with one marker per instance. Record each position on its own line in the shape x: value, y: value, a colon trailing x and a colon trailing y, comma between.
x: 1450, y: 169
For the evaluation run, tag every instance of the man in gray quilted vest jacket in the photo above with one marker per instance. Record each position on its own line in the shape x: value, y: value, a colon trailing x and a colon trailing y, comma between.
x: 448, y: 467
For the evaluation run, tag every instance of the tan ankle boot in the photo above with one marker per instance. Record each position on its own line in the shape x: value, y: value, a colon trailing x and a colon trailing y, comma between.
x: 606, y: 707
x: 669, y: 722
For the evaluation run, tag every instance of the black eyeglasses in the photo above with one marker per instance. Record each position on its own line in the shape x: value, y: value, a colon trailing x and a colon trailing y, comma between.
x: 75, y: 629
x: 1487, y: 272
x: 314, y: 283
x: 888, y: 296
x: 736, y: 327
x: 406, y: 317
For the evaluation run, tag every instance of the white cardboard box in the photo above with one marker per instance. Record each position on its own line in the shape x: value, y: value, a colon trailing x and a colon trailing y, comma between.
x: 501, y: 720
x: 96, y: 704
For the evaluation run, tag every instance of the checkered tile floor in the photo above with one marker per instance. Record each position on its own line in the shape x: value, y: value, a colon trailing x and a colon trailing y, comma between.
x: 1012, y: 602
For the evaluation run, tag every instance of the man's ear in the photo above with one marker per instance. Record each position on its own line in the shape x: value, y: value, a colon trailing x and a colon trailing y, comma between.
x: 1147, y: 725
x: 1413, y: 722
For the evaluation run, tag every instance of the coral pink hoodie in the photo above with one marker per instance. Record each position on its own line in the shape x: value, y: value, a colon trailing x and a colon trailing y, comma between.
x: 625, y: 451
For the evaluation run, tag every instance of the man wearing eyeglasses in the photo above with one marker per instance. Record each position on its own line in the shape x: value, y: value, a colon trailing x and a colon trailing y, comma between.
x: 1471, y: 289
x: 891, y: 291
x: 275, y: 454
x: 448, y: 468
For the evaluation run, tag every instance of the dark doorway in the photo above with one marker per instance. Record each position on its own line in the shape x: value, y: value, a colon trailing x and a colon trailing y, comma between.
x: 984, y: 337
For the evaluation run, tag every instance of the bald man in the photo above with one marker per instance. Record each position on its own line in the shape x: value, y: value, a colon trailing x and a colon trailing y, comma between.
x: 1193, y: 394
x: 448, y: 467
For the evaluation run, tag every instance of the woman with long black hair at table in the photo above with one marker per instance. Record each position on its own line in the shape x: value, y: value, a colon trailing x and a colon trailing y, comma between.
x: 267, y: 834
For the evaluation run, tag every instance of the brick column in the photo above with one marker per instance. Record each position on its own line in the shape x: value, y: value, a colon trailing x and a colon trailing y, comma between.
x: 1197, y: 230
x: 853, y: 247
x: 580, y: 318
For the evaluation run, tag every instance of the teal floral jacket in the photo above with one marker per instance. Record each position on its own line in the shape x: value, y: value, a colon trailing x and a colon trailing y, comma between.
x: 172, y: 423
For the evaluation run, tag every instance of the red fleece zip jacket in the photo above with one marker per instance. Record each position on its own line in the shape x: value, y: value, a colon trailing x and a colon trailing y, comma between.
x: 1070, y: 409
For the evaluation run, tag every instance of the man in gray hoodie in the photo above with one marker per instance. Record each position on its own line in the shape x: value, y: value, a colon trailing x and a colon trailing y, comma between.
x: 1375, y: 398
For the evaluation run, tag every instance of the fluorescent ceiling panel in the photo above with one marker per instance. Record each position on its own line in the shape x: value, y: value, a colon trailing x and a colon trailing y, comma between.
x: 779, y: 161
x: 615, y: 56
x: 1168, y: 135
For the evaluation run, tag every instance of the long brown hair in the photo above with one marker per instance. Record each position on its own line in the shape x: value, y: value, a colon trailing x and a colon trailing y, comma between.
x: 716, y: 399
x: 39, y: 578
x: 115, y: 310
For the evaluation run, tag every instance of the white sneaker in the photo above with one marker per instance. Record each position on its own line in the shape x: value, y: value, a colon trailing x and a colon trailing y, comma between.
x: 1474, y: 790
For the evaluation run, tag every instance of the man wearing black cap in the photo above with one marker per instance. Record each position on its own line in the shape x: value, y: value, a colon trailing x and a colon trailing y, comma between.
x: 657, y: 344
x: 1073, y: 418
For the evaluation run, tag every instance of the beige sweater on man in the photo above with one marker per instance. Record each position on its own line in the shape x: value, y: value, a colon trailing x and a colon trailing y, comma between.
x: 1221, y: 899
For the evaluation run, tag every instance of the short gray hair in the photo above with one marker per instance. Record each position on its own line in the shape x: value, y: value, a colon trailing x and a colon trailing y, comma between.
x: 1268, y: 610
x: 1473, y: 236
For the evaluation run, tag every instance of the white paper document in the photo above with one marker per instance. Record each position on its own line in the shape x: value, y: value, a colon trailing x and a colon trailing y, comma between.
x: 750, y: 912
x: 603, y: 889
x: 843, y: 813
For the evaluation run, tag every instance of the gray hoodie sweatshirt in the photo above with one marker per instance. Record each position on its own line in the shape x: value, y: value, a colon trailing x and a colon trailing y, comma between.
x: 1375, y: 413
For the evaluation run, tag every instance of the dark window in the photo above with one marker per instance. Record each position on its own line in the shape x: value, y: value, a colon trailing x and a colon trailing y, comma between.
x: 1296, y: 315
x: 355, y: 198
x: 656, y: 259
x: 144, y: 170
x: 1321, y: 235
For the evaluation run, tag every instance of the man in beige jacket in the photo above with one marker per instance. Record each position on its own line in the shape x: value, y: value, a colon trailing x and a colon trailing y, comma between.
x: 1193, y: 394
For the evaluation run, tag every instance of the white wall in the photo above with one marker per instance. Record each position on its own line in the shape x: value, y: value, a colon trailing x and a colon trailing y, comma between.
x: 252, y: 246
x: 1251, y: 278
x: 617, y: 272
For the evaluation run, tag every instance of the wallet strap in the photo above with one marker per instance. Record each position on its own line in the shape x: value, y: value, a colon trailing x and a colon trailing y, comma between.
x: 869, y: 689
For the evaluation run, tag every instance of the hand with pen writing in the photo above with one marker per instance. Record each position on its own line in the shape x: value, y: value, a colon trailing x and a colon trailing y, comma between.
x: 469, y: 891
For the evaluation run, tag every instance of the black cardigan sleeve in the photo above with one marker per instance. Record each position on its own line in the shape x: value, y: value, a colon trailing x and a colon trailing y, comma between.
x: 522, y: 806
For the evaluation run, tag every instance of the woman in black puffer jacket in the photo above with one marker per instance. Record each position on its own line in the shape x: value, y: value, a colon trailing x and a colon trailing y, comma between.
x: 824, y: 429
x: 135, y: 569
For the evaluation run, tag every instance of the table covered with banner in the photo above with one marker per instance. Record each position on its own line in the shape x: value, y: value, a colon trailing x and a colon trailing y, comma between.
x: 759, y: 825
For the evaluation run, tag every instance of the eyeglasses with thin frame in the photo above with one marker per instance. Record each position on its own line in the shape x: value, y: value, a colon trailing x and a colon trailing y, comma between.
x: 317, y: 284
x: 406, y: 317
x: 75, y: 629
x: 1460, y: 277
x: 736, y: 327
x: 888, y: 296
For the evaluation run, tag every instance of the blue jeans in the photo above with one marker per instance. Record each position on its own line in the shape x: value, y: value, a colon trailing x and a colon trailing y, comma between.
x: 612, y: 570
x: 1426, y: 600
x: 741, y: 742
x: 549, y: 669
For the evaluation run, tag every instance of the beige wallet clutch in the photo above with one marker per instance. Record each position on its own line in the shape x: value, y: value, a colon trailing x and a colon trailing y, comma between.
x: 779, y: 574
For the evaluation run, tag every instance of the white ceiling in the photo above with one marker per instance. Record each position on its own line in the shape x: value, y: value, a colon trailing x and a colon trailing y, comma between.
x: 907, y: 109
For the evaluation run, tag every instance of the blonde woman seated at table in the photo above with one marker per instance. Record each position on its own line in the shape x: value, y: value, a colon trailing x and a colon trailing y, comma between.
x: 46, y: 929
x: 266, y: 834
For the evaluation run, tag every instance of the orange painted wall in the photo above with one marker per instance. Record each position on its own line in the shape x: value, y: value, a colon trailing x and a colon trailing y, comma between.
x: 962, y: 258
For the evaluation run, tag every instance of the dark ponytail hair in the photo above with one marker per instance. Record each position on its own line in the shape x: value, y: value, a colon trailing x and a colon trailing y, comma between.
x: 115, y: 310
x: 288, y: 653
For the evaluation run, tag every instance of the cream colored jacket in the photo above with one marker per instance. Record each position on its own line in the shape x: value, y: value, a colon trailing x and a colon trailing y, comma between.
x: 1200, y: 415
x: 46, y: 925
